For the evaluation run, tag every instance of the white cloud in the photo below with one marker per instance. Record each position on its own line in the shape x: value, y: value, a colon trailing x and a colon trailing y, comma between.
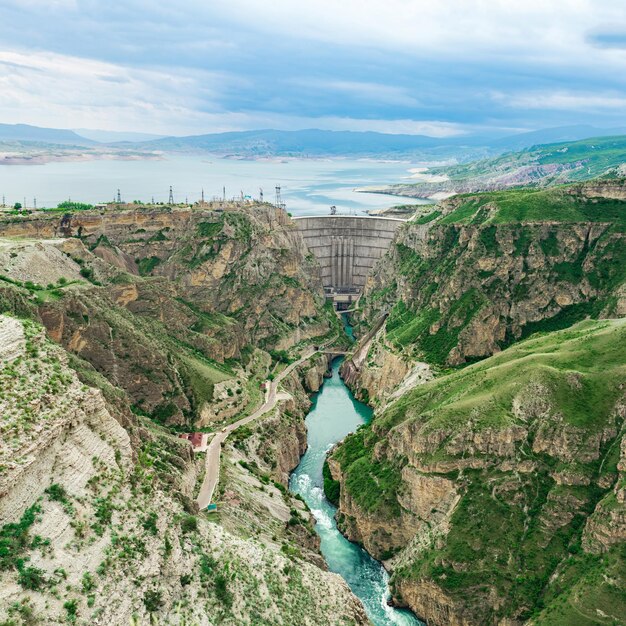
x: 561, y: 100
x: 69, y: 92
x: 542, y: 30
x: 62, y: 91
x: 364, y: 91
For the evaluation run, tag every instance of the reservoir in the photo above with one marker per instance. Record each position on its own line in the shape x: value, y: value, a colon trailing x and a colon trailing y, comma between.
x: 336, y: 413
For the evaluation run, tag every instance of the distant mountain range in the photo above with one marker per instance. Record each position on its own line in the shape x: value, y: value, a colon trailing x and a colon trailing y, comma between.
x: 52, y: 136
x: 305, y: 143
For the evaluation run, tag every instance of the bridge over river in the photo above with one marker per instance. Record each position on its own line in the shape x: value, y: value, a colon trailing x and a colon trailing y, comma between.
x: 347, y: 247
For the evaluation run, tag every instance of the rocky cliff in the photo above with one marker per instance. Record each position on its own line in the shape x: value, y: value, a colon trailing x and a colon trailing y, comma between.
x: 490, y: 269
x: 168, y: 303
x: 494, y: 492
x: 95, y: 524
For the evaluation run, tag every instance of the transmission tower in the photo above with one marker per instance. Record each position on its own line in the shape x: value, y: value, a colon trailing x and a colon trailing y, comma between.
x: 119, y: 197
x: 260, y: 194
x: 171, y: 198
x: 35, y: 203
x: 203, y: 195
x: 224, y: 193
x: 279, y: 200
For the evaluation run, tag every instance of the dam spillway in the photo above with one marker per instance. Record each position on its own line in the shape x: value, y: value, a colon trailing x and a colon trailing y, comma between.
x: 346, y: 248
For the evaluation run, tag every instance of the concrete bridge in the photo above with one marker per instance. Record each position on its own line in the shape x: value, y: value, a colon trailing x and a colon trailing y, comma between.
x: 347, y: 247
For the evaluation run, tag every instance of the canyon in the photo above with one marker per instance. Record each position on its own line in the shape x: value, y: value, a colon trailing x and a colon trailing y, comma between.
x: 489, y: 481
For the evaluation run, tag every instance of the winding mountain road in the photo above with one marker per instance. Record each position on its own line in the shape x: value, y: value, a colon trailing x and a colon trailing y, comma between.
x: 214, y: 449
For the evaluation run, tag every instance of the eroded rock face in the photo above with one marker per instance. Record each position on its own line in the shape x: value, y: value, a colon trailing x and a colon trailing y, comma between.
x: 103, y: 511
x: 147, y: 296
x: 469, y: 479
x: 458, y: 292
x: 62, y: 428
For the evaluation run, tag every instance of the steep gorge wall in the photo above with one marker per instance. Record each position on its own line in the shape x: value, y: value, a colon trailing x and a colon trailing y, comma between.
x: 170, y: 299
x: 489, y: 507
x: 94, y: 517
x: 457, y: 293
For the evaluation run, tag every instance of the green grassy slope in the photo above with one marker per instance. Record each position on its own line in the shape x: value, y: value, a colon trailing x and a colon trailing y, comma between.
x: 538, y: 166
x: 560, y: 204
x: 515, y: 535
x: 495, y: 267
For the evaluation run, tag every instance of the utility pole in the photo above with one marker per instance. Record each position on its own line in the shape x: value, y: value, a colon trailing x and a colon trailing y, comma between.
x: 35, y: 203
x: 171, y: 198
x: 203, y: 195
x: 260, y: 194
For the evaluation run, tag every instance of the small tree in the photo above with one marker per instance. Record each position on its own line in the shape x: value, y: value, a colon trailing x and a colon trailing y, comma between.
x: 17, y: 206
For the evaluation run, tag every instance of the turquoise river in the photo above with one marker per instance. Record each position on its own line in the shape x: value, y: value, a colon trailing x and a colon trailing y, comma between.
x: 336, y: 413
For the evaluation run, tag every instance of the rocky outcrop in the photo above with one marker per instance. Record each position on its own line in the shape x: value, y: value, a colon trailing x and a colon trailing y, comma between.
x: 12, y: 340
x: 463, y: 288
x: 466, y: 483
x: 157, y: 300
x: 72, y: 425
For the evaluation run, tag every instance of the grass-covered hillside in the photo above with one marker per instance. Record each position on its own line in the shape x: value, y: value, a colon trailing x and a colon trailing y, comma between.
x: 499, y: 487
x: 491, y: 268
x: 540, y: 166
x: 570, y: 203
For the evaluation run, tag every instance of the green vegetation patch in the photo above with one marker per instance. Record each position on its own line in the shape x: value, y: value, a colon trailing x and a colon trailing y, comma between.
x: 404, y: 327
x: 147, y: 265
x: 331, y: 486
x: 201, y: 376
x: 372, y: 483
x: 557, y: 204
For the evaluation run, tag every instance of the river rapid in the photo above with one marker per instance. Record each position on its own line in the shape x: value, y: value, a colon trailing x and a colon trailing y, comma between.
x: 336, y: 413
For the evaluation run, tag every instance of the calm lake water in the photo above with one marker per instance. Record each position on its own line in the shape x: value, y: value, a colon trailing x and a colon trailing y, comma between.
x: 308, y: 187
x: 336, y: 413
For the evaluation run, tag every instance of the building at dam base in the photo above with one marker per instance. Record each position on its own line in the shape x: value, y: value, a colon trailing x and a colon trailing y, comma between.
x: 346, y: 248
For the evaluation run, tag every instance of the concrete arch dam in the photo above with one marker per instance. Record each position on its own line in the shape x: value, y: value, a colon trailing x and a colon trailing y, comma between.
x: 346, y: 248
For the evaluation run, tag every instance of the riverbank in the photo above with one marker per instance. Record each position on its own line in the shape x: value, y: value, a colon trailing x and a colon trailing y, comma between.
x: 334, y: 414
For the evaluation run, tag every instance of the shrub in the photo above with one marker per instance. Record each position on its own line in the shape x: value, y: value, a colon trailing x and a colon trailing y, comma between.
x: 32, y: 578
x: 153, y: 600
x: 86, y: 272
x: 149, y: 523
x: 57, y: 493
x: 222, y: 592
x: 88, y: 582
x: 71, y: 606
x: 189, y: 524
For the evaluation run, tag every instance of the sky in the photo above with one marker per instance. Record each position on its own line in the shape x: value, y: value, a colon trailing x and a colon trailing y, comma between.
x: 437, y: 67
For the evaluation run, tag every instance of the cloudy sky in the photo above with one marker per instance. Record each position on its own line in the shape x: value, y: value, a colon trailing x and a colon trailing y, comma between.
x: 437, y: 67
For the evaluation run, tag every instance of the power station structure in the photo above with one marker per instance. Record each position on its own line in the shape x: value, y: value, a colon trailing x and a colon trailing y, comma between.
x: 346, y: 248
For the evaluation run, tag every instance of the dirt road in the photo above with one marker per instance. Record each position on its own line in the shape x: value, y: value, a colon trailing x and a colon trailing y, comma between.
x: 213, y: 453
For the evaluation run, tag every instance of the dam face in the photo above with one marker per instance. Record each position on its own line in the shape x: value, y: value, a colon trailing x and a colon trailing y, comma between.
x: 346, y: 248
